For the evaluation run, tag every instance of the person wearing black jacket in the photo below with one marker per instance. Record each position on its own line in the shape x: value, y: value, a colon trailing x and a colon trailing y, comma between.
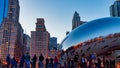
x: 41, y: 58
x: 34, y: 60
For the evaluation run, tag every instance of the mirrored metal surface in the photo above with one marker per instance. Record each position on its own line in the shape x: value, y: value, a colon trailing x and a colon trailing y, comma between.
x: 91, y: 30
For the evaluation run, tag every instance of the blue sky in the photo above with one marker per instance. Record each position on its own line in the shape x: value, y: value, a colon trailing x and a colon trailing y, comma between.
x: 58, y: 14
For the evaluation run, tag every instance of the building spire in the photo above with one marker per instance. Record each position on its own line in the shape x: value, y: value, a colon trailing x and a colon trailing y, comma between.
x: 75, y: 20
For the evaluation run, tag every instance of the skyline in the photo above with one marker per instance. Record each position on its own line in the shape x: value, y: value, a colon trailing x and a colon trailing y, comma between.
x: 58, y: 14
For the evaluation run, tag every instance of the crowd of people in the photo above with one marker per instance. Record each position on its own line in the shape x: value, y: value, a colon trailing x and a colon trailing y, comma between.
x: 89, y: 62
x: 92, y: 61
x: 13, y: 63
x: 34, y: 62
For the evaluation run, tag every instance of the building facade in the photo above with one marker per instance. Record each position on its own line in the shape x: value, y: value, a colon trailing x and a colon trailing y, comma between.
x: 39, y: 39
x: 53, y: 43
x: 11, y: 32
x: 52, y: 53
x: 115, y: 9
x: 3, y: 9
x: 53, y: 47
x: 76, y: 20
x: 26, y: 43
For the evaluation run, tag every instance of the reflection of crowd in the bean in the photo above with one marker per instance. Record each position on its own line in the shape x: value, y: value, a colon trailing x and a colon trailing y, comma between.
x: 91, y: 62
x: 74, y: 56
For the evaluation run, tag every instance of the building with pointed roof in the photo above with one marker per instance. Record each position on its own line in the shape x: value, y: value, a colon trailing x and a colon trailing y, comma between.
x: 76, y: 20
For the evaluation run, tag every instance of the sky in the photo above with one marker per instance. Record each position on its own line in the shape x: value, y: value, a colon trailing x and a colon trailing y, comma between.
x: 58, y: 14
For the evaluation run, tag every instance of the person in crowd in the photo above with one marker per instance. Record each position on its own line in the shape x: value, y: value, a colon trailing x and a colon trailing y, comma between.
x: 65, y: 64
x: 76, y: 57
x: 71, y: 63
x: 68, y: 62
x: 13, y: 63
x: 55, y: 62
x: 34, y: 60
x: 22, y: 60
x: 104, y: 61
x: 98, y: 62
x: 107, y: 63
x: 83, y: 61
x: 51, y: 62
x: 8, y: 60
x: 47, y: 63
x: 112, y: 63
x: 27, y: 60
x: 41, y: 59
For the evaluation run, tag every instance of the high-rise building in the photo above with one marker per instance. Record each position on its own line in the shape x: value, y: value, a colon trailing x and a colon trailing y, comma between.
x: 26, y: 43
x: 76, y: 20
x: 39, y: 39
x: 13, y: 10
x: 3, y: 9
x: 53, y: 43
x: 115, y: 9
x: 11, y: 32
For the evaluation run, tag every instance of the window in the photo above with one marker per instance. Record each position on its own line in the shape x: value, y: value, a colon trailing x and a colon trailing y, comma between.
x: 12, y: 9
x: 11, y: 3
x: 10, y: 15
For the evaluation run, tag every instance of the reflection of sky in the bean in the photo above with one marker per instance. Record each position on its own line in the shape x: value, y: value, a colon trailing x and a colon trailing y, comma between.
x: 92, y: 29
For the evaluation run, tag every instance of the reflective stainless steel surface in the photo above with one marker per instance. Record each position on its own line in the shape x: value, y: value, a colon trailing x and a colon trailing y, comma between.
x: 92, y: 29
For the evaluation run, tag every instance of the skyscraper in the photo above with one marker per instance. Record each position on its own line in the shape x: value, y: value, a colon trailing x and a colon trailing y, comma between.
x: 13, y: 10
x: 53, y: 50
x: 76, y: 20
x: 3, y: 9
x: 115, y: 9
x: 39, y: 39
x: 26, y: 43
x: 11, y: 32
x: 53, y: 43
